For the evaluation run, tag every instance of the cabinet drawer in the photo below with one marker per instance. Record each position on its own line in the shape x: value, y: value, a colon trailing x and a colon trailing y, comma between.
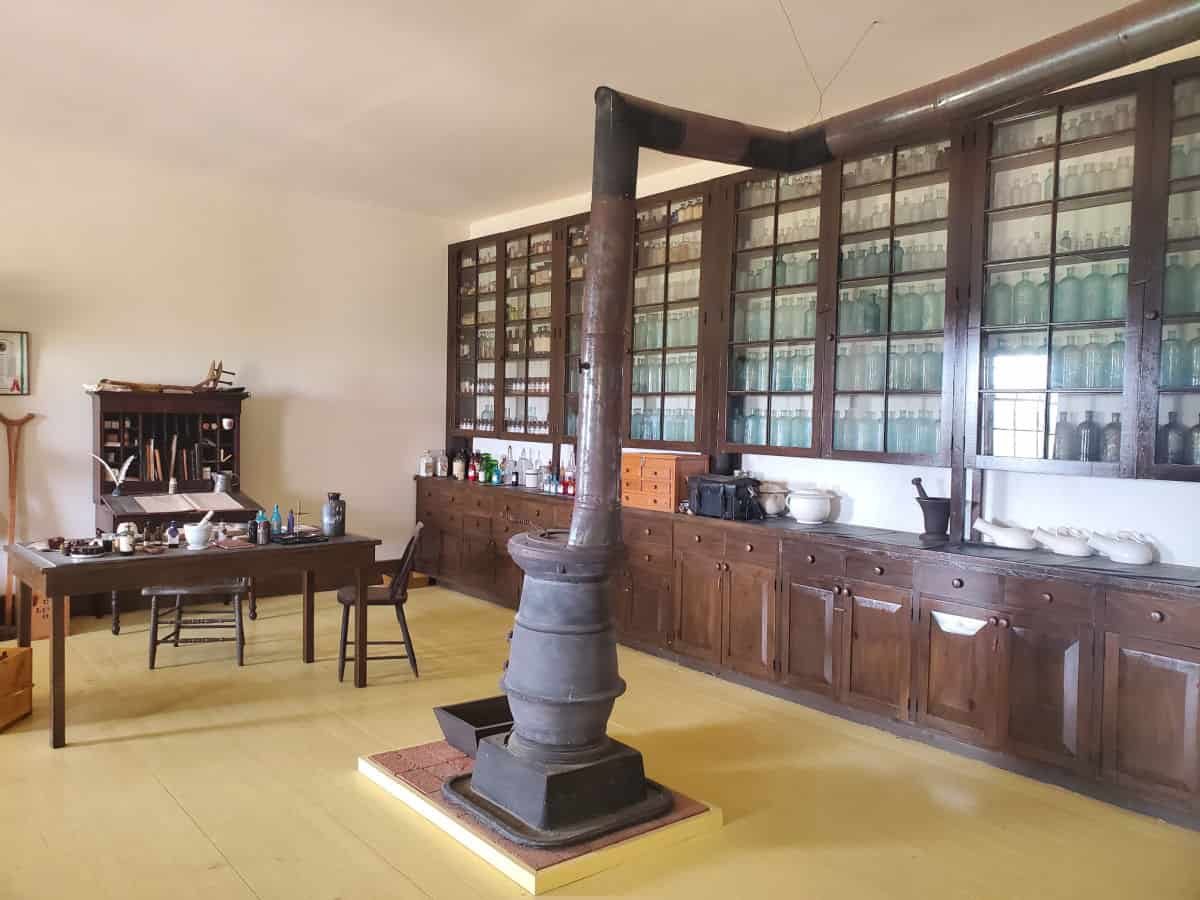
x: 879, y: 568
x: 450, y: 520
x: 631, y: 483
x: 653, y: 556
x: 1048, y: 595
x: 663, y: 489
x: 959, y: 585
x: 631, y: 466
x: 699, y: 539
x: 637, y: 530
x: 641, y: 500
x: 561, y: 514
x: 658, y: 469
x: 502, y: 530
x: 429, y: 490
x: 760, y: 549
x: 535, y: 512
x: 476, y: 526
x: 478, y: 502
x: 1161, y: 617
x: 803, y: 557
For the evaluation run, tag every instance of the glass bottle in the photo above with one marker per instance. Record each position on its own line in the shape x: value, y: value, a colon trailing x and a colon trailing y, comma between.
x: 1000, y: 303
x: 1193, y: 445
x: 1172, y: 365
x: 1177, y: 302
x: 1095, y: 295
x: 1111, y: 440
x: 1065, y: 438
x: 1193, y: 362
x: 1195, y: 279
x: 1024, y: 302
x: 930, y: 378
x: 933, y: 311
x: 1071, y: 184
x: 1172, y: 442
x: 737, y: 427
x: 839, y: 430
x: 1068, y: 300
x: 1043, y: 298
x: 1066, y: 365
x: 873, y: 368
x: 1118, y: 292
x: 1089, y: 438
x: 1048, y: 185
x: 1089, y: 181
x: 1095, y: 363
x: 1116, y: 361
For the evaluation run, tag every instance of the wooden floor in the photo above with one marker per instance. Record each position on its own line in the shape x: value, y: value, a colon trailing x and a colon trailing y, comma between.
x: 200, y: 780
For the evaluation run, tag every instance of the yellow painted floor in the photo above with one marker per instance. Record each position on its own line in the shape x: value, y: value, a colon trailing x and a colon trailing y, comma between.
x: 200, y: 780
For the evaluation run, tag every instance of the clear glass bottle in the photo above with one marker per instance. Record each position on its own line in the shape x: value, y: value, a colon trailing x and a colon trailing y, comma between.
x: 1068, y: 298
x: 1089, y: 180
x: 1176, y: 299
x: 1172, y: 366
x: 1096, y: 356
x: 1192, y: 367
x: 1024, y: 309
x: 1171, y: 447
x: 1066, y: 446
x: 1095, y: 305
x: 1193, y: 444
x: 1090, y: 438
x: 1116, y: 361
x: 933, y: 310
x: 1111, y: 440
x: 1118, y: 292
x: 1066, y: 370
x: 1071, y: 182
x: 1043, y: 298
x: 999, y: 303
x: 930, y: 378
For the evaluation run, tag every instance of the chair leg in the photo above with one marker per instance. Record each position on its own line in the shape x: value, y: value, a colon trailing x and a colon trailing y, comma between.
x: 253, y: 600
x: 153, y: 629
x: 238, y: 632
x: 178, y: 618
x: 116, y: 613
x: 408, y: 644
x: 345, y: 634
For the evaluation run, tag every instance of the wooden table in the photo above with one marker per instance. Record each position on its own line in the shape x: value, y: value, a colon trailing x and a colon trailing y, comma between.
x: 56, y: 576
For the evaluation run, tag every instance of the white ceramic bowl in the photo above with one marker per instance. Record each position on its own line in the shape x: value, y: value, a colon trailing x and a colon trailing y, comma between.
x: 773, y: 498
x: 197, y: 535
x: 810, y: 506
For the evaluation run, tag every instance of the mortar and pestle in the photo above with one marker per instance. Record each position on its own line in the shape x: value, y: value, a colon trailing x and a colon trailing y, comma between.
x: 936, y: 511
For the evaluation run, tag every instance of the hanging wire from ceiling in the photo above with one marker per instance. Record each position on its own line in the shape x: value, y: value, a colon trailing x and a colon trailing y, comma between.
x: 821, y: 91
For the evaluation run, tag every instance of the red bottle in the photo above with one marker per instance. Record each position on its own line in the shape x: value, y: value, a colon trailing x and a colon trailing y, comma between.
x: 472, y: 471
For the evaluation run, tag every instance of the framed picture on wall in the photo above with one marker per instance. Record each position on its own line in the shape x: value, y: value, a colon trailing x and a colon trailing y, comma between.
x: 14, y: 362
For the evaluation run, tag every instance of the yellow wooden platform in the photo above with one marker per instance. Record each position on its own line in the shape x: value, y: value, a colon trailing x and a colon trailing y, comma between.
x: 541, y: 880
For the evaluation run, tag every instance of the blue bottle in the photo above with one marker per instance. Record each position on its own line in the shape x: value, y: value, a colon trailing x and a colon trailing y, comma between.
x: 276, y: 521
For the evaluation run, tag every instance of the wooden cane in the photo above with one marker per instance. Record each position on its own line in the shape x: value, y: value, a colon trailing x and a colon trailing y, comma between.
x: 12, y: 429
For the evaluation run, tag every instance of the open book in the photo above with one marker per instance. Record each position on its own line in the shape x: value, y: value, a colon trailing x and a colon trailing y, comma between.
x: 185, y: 503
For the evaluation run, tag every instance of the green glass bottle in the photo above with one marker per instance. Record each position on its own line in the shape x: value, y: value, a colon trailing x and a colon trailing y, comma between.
x: 1176, y: 299
x: 1024, y: 307
x: 1118, y: 293
x: 1068, y: 300
x: 1095, y: 295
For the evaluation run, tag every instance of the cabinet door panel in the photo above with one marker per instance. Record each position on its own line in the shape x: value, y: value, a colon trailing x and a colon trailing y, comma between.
x: 478, y: 561
x: 810, y: 636
x: 876, y: 649
x: 429, y: 550
x: 699, y: 585
x: 1048, y: 690
x: 509, y: 579
x: 650, y: 606
x: 452, y: 552
x: 1151, y: 740
x: 750, y: 614
x: 956, y: 689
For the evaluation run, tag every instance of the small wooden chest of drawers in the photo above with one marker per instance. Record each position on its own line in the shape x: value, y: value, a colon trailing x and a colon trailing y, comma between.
x: 657, y: 481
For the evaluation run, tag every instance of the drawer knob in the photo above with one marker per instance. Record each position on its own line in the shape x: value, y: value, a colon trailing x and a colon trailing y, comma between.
x: 696, y: 538
x: 878, y: 570
x: 837, y: 590
x: 1047, y: 597
x: 718, y: 567
x: 1157, y: 616
x: 810, y: 559
x: 1003, y: 622
x: 749, y: 548
x: 648, y: 532
x: 646, y: 557
x: 957, y: 582
x: 992, y: 620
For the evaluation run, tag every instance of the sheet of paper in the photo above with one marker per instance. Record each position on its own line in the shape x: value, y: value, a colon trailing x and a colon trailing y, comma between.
x: 163, y: 503
x: 221, y: 502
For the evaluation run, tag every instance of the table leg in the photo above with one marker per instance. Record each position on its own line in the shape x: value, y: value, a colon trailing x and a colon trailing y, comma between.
x: 116, y: 612
x: 58, y: 672
x: 360, y: 628
x: 308, y: 584
x: 24, y: 614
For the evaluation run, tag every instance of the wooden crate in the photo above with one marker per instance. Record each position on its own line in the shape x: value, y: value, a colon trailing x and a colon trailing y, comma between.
x: 657, y: 481
x: 39, y: 618
x: 16, y: 684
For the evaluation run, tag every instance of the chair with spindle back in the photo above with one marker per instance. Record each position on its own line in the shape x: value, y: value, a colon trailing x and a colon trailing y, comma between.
x: 233, y: 590
x: 395, y: 595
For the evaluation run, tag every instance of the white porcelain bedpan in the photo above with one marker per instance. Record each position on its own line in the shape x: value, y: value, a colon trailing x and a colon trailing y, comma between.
x: 1006, y: 535
x: 1063, y: 541
x: 1126, y: 547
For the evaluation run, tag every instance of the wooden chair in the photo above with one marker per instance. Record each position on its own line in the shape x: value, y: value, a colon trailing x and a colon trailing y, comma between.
x: 206, y: 619
x: 394, y: 595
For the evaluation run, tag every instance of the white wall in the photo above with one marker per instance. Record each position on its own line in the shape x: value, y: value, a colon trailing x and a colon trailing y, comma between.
x: 332, y: 313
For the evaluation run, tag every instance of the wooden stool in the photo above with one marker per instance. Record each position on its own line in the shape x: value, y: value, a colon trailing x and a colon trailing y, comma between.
x: 206, y: 619
x: 394, y: 595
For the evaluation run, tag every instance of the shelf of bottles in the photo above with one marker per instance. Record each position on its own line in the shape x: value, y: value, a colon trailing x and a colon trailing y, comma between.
x: 476, y: 366
x: 577, y: 248
x: 891, y: 305
x: 1177, y: 439
x: 1056, y: 282
x: 528, y: 328
x: 666, y: 321
x: 772, y: 349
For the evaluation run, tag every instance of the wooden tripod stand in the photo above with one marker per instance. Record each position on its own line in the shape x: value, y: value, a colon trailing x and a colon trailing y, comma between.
x: 12, y: 428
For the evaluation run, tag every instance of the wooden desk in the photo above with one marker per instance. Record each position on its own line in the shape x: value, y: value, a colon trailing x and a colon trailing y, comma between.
x: 56, y: 576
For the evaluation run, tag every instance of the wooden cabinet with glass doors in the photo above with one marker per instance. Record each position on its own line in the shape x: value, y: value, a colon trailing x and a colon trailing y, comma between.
x: 577, y: 250
x: 528, y: 333
x: 664, y: 364
x: 891, y: 371
x: 771, y: 378
x: 1170, y: 407
x: 1055, y: 337
x: 474, y: 335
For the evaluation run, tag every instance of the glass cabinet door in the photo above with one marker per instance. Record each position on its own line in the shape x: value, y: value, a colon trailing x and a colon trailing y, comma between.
x: 1056, y: 256
x: 528, y: 275
x: 577, y: 251
x: 475, y: 387
x: 773, y: 313
x: 891, y: 304
x: 1175, y: 435
x: 665, y: 328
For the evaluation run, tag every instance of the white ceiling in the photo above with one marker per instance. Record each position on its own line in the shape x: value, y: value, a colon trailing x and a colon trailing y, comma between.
x: 461, y: 109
